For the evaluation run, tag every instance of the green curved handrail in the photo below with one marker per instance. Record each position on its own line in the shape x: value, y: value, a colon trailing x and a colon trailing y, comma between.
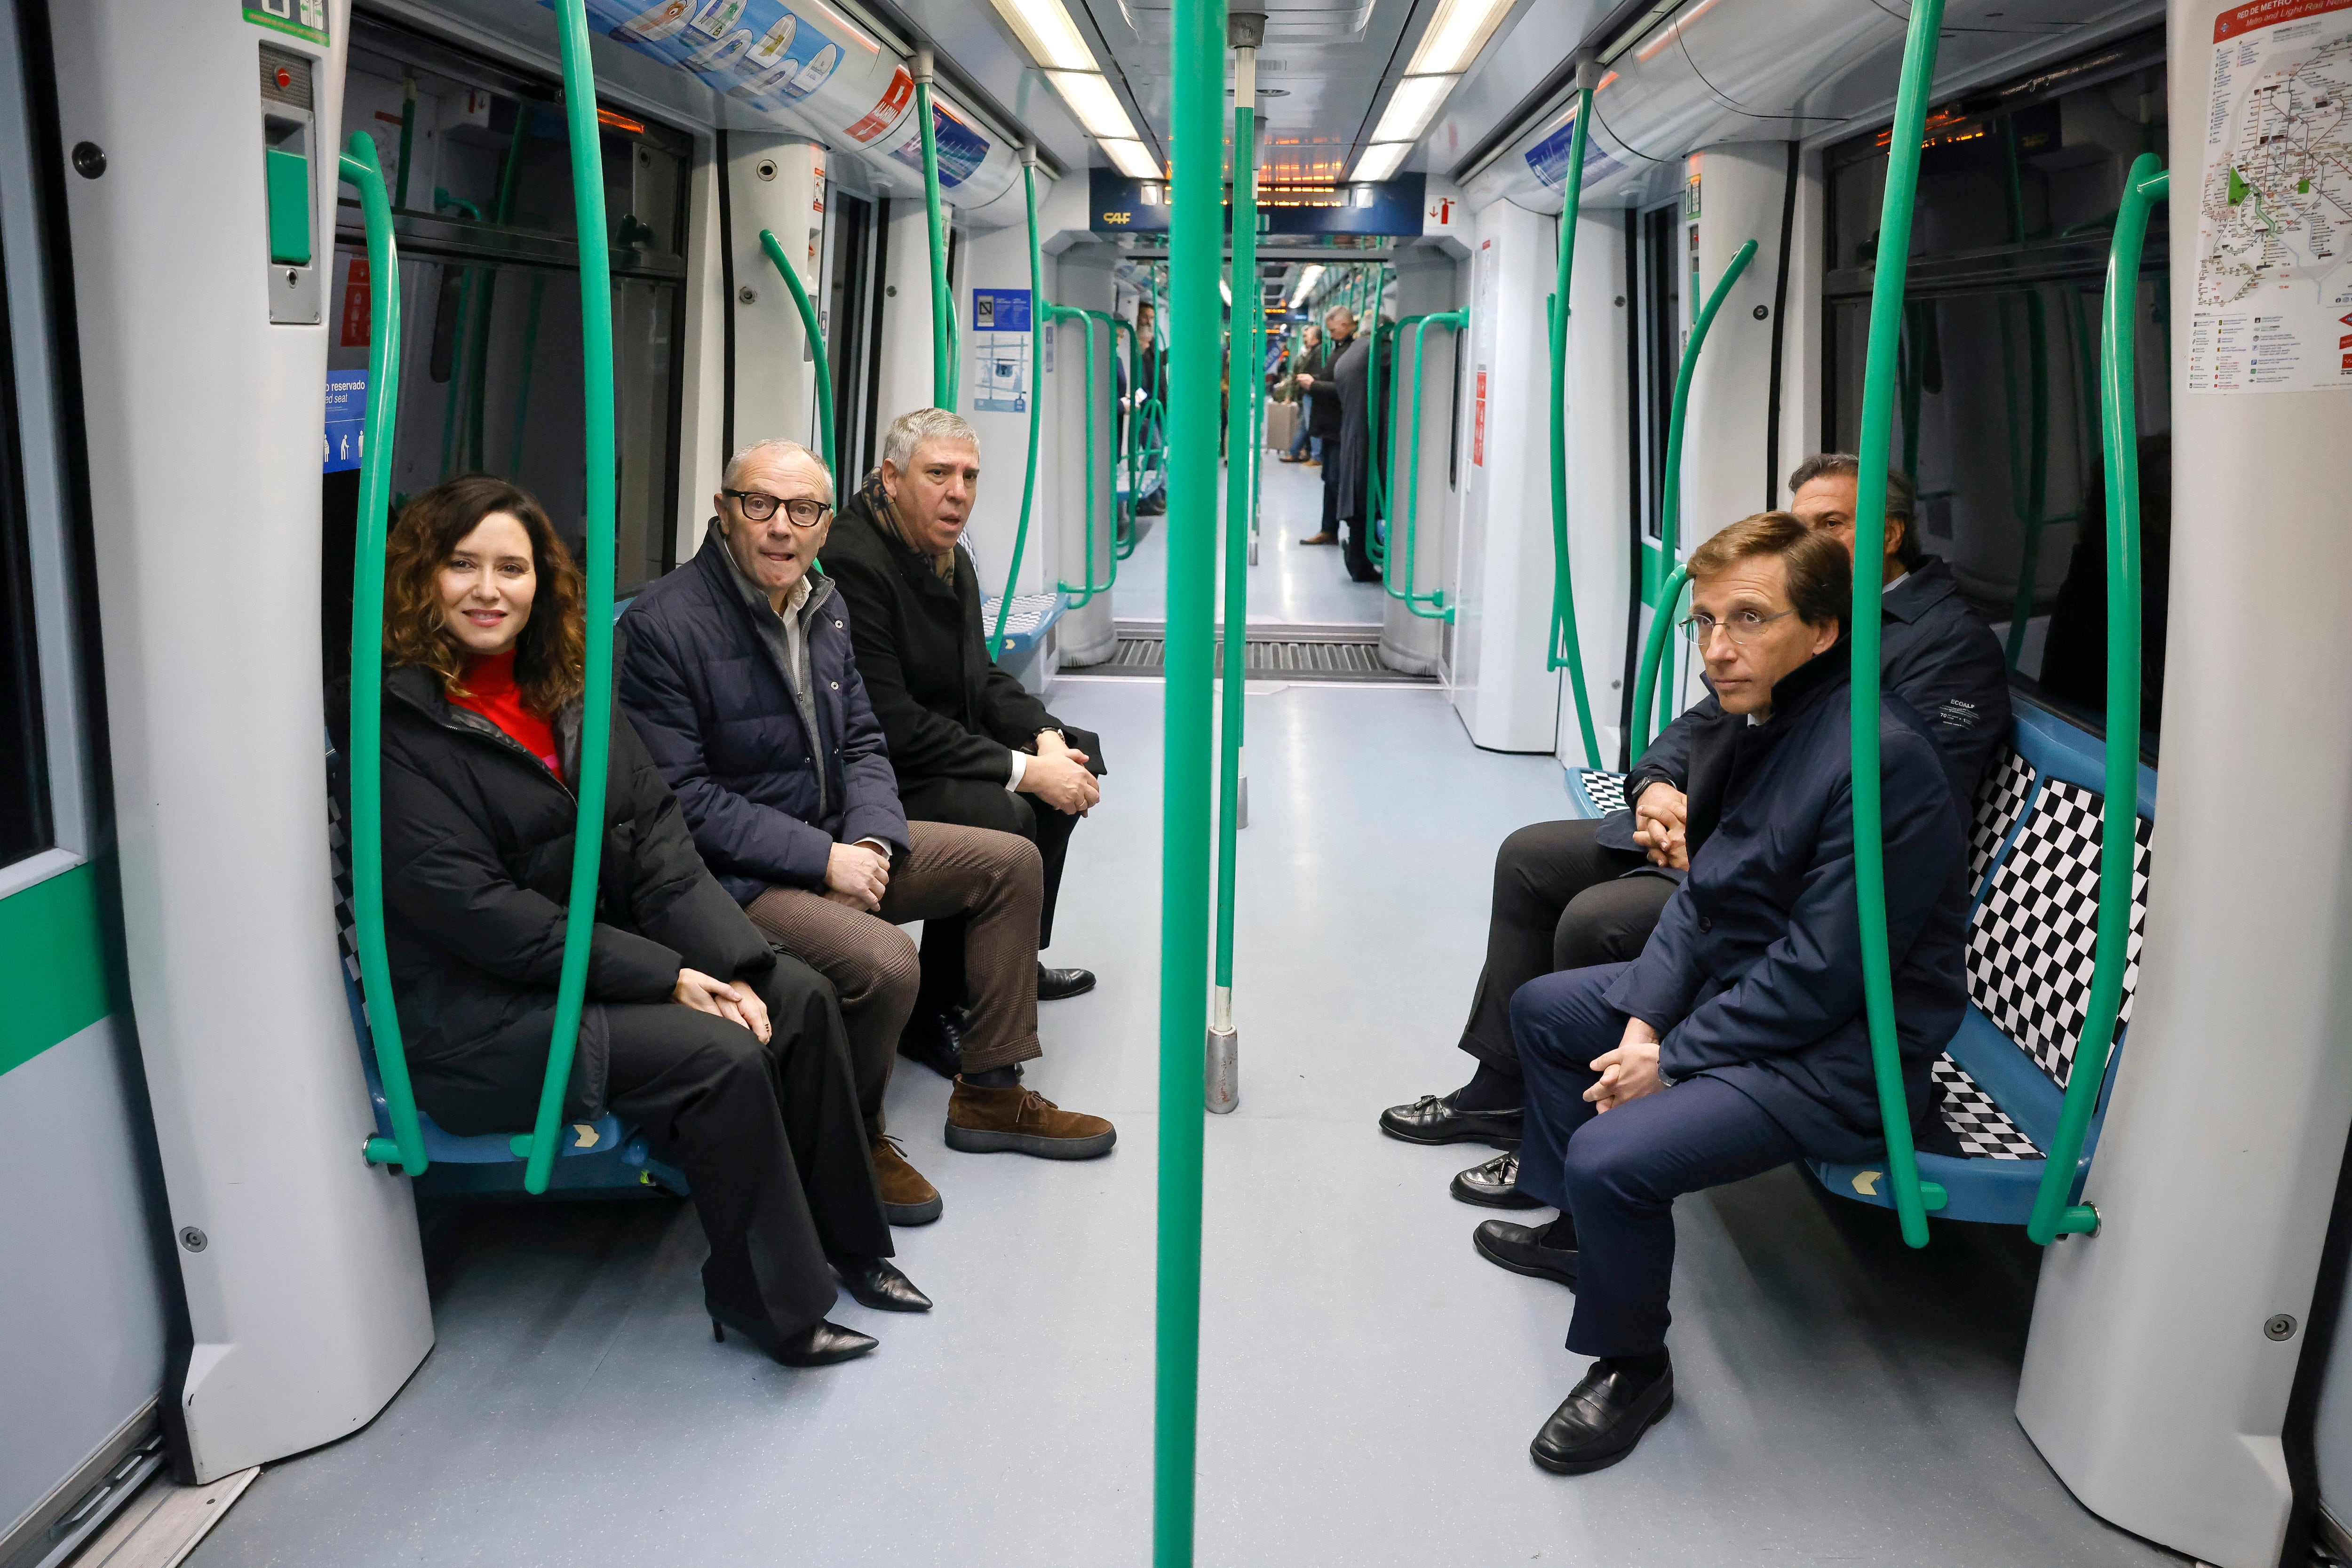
x: 769, y: 243
x: 1456, y: 321
x: 1653, y: 648
x: 1377, y: 519
x: 1913, y: 1197
x: 1037, y: 318
x: 1086, y: 591
x: 1671, y: 490
x: 406, y: 1147
x: 2054, y: 1217
x: 943, y: 392
x: 1122, y: 521
x: 601, y: 477
x: 1567, y: 650
x: 1196, y: 254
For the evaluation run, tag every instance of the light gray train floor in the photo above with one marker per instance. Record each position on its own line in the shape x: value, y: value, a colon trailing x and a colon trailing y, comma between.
x: 1368, y: 1385
x: 1292, y: 585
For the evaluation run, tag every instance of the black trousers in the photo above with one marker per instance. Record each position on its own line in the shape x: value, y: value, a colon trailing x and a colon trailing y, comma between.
x: 769, y: 1137
x: 1561, y: 901
x: 977, y: 803
x: 1331, y: 488
x: 1356, y: 548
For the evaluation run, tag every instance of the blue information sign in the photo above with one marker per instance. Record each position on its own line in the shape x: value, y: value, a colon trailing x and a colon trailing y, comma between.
x: 1000, y: 310
x: 1548, y: 159
x: 347, y: 407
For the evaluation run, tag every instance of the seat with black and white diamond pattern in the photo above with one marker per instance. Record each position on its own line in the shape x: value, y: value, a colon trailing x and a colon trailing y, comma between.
x: 2030, y: 956
x: 1598, y: 792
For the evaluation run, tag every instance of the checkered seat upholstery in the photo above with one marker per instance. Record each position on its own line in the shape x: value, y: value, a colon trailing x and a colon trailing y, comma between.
x: 1598, y: 792
x: 2033, y: 844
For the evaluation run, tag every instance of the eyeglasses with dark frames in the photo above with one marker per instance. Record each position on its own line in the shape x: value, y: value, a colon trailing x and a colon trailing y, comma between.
x: 760, y: 506
x: 1740, y: 627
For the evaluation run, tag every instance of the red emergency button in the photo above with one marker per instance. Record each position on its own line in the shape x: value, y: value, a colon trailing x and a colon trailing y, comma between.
x: 285, y: 77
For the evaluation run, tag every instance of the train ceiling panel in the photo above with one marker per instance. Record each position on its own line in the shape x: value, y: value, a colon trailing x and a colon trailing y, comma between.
x: 1713, y: 71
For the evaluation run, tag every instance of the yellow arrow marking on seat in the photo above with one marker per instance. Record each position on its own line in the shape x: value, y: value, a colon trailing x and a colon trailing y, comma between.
x: 1866, y: 1183
x: 587, y: 1135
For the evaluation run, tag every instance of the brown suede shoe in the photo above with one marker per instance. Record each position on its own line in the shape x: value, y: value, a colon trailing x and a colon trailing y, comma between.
x: 1022, y: 1122
x: 907, y: 1199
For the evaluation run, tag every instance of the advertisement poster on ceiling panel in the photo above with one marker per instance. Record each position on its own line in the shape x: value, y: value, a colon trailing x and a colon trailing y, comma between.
x: 962, y: 150
x: 805, y: 58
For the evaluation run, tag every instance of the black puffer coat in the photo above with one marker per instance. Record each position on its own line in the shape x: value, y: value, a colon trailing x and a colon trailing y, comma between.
x: 477, y: 869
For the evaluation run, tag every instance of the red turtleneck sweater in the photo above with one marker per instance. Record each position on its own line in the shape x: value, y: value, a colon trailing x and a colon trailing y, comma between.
x: 491, y: 692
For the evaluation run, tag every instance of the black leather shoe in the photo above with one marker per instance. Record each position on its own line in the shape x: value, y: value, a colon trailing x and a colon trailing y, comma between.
x: 1598, y: 1424
x: 1054, y: 985
x: 1434, y: 1119
x: 1521, y: 1250
x: 875, y: 1282
x: 822, y: 1344
x: 935, y: 1039
x: 1494, y: 1185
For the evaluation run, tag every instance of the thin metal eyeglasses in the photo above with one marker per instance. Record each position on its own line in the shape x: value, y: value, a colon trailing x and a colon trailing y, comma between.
x: 760, y: 506
x: 1739, y: 626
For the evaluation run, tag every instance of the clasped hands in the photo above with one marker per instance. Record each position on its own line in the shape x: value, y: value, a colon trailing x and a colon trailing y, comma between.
x: 736, y: 1004
x: 1057, y: 775
x: 1630, y: 1071
x: 1660, y: 824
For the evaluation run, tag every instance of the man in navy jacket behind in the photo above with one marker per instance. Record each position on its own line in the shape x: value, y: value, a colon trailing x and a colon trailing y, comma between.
x: 1735, y: 1042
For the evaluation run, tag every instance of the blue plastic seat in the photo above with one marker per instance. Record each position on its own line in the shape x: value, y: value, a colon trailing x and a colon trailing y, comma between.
x: 1031, y: 616
x: 1594, y: 793
x: 2034, y: 851
x: 607, y: 1155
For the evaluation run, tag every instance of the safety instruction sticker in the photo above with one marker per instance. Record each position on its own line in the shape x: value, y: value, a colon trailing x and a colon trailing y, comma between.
x: 2274, y: 309
x: 347, y: 406
x: 305, y: 19
x: 1000, y: 349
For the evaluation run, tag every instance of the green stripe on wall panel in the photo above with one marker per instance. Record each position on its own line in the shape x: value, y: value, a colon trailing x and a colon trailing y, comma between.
x: 53, y: 945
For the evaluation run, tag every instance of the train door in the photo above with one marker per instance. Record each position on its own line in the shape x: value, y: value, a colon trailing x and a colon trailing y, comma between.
x: 849, y: 273
x: 1662, y: 325
x: 85, y: 1309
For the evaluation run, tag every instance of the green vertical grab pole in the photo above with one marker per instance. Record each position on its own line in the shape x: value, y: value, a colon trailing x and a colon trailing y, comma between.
x: 943, y: 347
x: 1458, y: 321
x: 1913, y: 1197
x: 1567, y: 651
x: 596, y: 702
x: 406, y: 1144
x: 1089, y: 588
x: 1036, y: 395
x: 2054, y: 1217
x: 767, y: 243
x: 1196, y: 254
x: 1654, y: 649
x: 1671, y: 496
x: 1221, y: 1068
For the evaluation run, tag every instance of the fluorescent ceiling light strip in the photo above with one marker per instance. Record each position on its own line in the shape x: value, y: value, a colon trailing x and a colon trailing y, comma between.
x: 1131, y: 158
x: 1045, y: 30
x: 1381, y: 159
x: 1090, y: 98
x: 1411, y: 107
x: 1456, y: 34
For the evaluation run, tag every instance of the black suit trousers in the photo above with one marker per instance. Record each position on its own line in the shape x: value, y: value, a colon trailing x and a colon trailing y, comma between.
x: 770, y: 1138
x: 1561, y: 900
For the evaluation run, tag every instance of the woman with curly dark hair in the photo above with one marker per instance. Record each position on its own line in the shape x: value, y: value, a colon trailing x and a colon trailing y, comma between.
x: 729, y: 1055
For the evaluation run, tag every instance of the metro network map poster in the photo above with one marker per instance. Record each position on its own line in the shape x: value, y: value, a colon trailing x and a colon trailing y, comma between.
x: 2274, y: 309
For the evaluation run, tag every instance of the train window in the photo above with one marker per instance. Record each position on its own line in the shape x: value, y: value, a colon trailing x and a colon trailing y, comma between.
x: 24, y: 826
x: 477, y: 162
x: 1998, y: 416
